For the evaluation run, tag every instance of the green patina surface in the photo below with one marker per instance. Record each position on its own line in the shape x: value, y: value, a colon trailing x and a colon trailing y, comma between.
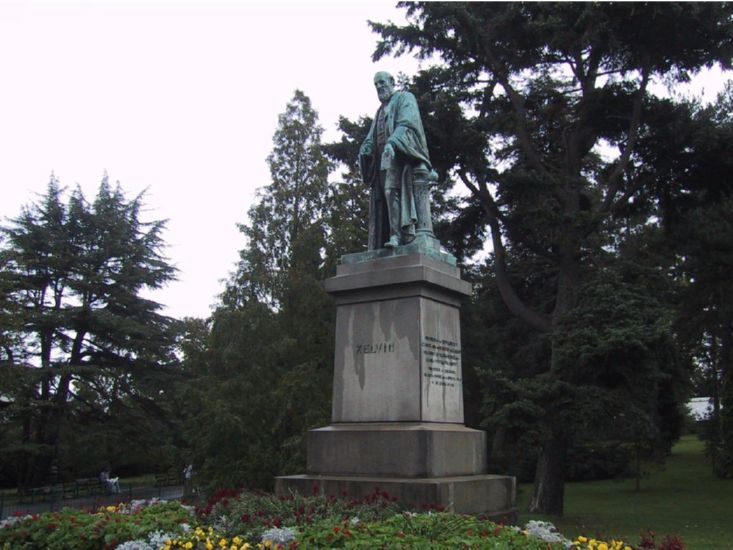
x: 429, y: 246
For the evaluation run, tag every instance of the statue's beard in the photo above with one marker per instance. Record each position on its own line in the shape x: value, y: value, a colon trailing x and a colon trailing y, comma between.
x: 384, y: 96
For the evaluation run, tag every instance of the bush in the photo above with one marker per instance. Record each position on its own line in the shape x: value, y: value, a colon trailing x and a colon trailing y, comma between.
x: 429, y: 530
x: 242, y: 520
x: 72, y: 529
x: 601, y: 460
x: 237, y: 512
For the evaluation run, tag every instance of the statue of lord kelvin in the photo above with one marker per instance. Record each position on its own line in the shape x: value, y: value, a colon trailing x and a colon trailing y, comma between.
x: 394, y: 161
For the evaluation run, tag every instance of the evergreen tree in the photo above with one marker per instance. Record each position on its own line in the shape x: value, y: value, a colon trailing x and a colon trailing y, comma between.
x: 543, y: 88
x: 285, y: 209
x: 73, y: 274
x: 696, y: 189
x: 265, y: 377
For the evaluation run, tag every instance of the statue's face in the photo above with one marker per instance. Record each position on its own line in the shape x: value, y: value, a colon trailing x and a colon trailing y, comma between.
x: 384, y: 85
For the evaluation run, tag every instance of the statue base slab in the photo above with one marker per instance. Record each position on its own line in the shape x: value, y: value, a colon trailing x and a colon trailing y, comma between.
x: 397, y: 449
x: 424, y: 243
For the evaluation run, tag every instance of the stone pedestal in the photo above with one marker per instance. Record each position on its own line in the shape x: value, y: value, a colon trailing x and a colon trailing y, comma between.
x: 397, y: 413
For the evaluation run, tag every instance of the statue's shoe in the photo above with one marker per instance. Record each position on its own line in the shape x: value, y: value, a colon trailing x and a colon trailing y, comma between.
x: 393, y: 242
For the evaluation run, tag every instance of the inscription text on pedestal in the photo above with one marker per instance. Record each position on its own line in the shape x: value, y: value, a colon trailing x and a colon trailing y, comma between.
x: 442, y: 361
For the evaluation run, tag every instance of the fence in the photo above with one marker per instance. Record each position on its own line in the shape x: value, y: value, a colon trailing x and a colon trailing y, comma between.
x: 53, y: 500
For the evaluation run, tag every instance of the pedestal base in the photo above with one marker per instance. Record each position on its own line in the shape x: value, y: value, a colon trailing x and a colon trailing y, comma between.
x: 489, y: 495
x: 397, y: 414
x: 396, y: 449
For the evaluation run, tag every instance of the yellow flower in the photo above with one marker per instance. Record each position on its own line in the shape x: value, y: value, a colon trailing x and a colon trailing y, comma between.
x: 111, y: 508
x: 582, y: 539
x: 209, y: 545
x: 188, y: 545
x: 237, y: 541
x: 223, y: 543
x: 603, y: 546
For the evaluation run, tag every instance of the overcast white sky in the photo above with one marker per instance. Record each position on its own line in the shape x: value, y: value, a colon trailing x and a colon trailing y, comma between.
x: 180, y: 98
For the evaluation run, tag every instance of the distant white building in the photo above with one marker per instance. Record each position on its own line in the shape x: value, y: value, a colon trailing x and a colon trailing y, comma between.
x: 700, y: 407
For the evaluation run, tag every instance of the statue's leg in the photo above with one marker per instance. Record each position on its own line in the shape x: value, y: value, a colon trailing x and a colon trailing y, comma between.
x: 393, y: 198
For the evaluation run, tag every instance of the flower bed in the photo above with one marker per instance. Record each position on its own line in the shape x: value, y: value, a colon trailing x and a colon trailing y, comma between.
x: 239, y: 520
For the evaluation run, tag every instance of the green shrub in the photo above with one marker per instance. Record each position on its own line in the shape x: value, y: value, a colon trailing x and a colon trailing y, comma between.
x: 420, y: 531
x: 248, y: 514
x: 72, y: 529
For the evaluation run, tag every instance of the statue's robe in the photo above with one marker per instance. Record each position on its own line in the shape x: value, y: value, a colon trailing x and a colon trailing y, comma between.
x: 404, y: 130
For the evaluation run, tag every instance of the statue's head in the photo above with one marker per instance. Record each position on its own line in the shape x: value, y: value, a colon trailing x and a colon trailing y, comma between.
x: 384, y: 83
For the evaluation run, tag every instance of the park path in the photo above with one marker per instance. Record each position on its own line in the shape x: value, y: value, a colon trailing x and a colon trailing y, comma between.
x: 90, y: 502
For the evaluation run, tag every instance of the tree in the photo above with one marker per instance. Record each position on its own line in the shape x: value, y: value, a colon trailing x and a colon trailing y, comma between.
x: 284, y: 210
x: 73, y: 273
x: 554, y: 99
x: 265, y: 376
x: 699, y: 230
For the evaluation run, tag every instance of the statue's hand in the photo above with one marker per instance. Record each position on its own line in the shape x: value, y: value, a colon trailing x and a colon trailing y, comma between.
x: 366, y: 149
x: 387, y: 156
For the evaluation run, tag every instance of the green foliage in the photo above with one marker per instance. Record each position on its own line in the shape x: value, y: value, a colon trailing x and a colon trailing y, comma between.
x: 551, y: 124
x: 437, y: 530
x: 249, y: 514
x: 72, y: 529
x: 82, y: 346
x: 291, y: 206
x: 262, y: 377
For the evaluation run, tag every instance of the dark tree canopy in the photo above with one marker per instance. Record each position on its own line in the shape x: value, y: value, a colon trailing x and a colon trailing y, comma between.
x: 551, y: 135
x: 83, y: 337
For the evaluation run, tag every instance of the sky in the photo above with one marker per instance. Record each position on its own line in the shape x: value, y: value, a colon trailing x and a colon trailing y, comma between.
x: 180, y: 100
x: 177, y: 99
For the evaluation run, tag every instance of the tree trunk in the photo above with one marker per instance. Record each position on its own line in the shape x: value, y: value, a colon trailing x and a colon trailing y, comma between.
x: 549, y: 481
x: 725, y: 459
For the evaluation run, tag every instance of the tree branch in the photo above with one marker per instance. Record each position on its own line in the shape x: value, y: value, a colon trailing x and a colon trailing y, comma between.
x: 614, y: 180
x: 508, y: 294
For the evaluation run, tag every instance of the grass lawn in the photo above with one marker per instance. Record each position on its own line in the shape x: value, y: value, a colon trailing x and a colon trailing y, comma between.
x: 683, y: 497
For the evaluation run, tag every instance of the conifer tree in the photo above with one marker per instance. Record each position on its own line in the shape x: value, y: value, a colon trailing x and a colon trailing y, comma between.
x: 270, y: 347
x: 543, y: 87
x: 73, y: 273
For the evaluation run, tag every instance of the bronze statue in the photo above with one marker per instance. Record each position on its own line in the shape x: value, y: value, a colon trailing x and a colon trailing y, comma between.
x: 394, y: 161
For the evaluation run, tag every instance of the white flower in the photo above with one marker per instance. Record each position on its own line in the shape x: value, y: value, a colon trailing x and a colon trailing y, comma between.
x: 12, y: 520
x: 546, y: 531
x: 278, y: 536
